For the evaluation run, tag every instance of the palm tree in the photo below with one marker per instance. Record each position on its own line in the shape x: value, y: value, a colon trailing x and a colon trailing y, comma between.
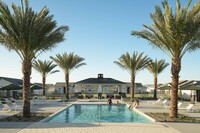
x: 175, y: 34
x: 133, y: 64
x: 156, y: 67
x: 28, y: 34
x: 68, y: 62
x: 44, y: 68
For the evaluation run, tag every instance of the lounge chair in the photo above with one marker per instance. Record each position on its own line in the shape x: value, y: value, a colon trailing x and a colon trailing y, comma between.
x: 165, y: 102
x: 10, y: 108
x: 157, y: 101
x: 167, y: 105
x: 16, y: 106
x: 6, y: 106
x: 179, y: 104
x: 194, y: 110
x: 188, y: 108
x: 7, y: 101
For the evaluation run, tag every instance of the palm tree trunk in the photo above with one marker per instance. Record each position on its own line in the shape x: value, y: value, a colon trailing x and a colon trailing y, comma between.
x: 43, y: 85
x: 132, y: 87
x: 155, y: 87
x: 175, y: 69
x: 26, y: 70
x: 67, y: 86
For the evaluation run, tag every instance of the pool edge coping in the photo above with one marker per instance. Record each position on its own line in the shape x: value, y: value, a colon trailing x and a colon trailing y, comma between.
x: 45, y: 119
x: 143, y: 114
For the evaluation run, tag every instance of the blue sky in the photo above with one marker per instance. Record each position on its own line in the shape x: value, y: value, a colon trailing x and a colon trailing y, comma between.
x: 100, y: 33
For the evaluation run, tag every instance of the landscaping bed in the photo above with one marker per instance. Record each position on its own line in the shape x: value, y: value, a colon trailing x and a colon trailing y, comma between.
x: 164, y: 117
x: 35, y: 117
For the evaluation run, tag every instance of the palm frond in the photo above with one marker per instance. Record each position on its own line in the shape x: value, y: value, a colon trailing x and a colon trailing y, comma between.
x: 44, y: 67
x: 156, y: 67
x: 134, y: 63
x: 28, y: 32
x: 173, y: 33
x: 68, y: 62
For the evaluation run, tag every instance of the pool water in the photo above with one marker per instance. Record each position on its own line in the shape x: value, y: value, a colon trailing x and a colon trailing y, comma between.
x: 87, y: 113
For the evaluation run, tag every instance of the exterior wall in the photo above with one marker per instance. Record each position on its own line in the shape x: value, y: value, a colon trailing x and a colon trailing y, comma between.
x: 150, y: 89
x: 60, y: 88
x: 88, y: 89
x: 98, y: 88
x: 37, y: 92
x: 140, y: 89
x: 124, y: 89
x: 186, y: 94
x: 51, y: 89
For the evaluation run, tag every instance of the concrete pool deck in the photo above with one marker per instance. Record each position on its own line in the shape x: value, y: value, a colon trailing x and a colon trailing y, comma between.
x: 38, y: 127
x: 96, y: 128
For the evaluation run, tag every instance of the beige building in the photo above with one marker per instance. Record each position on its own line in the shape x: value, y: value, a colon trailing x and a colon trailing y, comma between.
x: 99, y: 85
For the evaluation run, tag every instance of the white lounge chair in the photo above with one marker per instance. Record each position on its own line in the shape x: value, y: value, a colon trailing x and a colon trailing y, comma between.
x: 179, y: 104
x: 157, y: 101
x: 188, y: 108
x: 6, y: 106
x: 16, y: 106
x: 7, y: 101
x: 167, y: 105
x: 165, y: 102
x: 10, y: 108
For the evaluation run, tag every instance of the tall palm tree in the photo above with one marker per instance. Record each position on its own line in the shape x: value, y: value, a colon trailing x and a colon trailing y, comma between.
x: 156, y: 67
x: 68, y: 62
x: 44, y: 68
x: 28, y: 33
x: 175, y: 34
x: 133, y: 64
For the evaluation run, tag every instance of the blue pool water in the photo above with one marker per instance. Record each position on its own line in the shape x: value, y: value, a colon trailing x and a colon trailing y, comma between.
x: 87, y: 113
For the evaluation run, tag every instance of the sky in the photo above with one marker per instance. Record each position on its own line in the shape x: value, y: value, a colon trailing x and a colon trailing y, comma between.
x: 100, y: 32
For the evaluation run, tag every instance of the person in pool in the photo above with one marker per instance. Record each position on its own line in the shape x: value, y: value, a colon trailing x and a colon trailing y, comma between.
x: 110, y: 101
x: 118, y: 102
x: 135, y: 104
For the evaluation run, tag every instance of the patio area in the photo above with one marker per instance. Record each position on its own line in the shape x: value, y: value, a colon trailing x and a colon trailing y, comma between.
x: 145, y: 106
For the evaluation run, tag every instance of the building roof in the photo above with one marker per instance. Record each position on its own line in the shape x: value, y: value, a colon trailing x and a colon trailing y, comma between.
x: 139, y: 85
x: 13, y: 80
x: 63, y: 83
x: 11, y: 87
x: 100, y: 80
x: 183, y: 85
x: 17, y: 84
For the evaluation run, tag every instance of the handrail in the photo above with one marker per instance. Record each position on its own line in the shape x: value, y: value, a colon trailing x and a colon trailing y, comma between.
x: 99, y: 117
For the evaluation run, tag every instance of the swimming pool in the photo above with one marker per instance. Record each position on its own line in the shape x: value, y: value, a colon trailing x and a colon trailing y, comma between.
x: 94, y: 113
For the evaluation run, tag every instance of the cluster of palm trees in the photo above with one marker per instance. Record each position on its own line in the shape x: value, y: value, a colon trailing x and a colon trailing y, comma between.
x: 137, y: 62
x: 30, y: 33
x: 67, y: 62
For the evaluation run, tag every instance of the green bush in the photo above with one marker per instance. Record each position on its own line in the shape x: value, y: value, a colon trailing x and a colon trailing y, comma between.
x: 117, y: 96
